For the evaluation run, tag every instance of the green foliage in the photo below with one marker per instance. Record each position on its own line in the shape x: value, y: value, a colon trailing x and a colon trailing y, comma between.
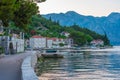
x: 45, y: 27
x: 1, y: 50
x: 24, y: 13
x: 61, y: 44
x: 14, y: 28
x: 78, y: 37
x: 18, y: 11
x: 88, y: 35
x: 106, y: 40
x: 88, y: 38
x: 7, y: 9
x: 87, y: 31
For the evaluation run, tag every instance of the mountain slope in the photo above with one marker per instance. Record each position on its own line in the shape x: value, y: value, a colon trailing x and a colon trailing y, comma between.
x: 109, y: 24
x: 48, y: 28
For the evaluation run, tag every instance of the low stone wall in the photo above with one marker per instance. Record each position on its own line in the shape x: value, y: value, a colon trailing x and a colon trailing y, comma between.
x: 28, y: 67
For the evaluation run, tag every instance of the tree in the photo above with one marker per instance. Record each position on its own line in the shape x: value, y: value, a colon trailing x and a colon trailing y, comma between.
x: 106, y: 40
x: 88, y: 38
x: 61, y: 44
x: 18, y: 10
x: 7, y: 9
x: 78, y: 37
x: 24, y: 13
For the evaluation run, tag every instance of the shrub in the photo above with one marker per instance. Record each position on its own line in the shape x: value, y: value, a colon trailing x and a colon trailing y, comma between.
x: 1, y: 50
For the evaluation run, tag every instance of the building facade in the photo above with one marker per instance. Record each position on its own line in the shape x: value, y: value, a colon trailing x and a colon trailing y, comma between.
x: 37, y: 42
x: 97, y: 42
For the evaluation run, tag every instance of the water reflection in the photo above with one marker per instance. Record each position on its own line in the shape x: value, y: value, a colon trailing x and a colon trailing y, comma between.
x: 82, y: 66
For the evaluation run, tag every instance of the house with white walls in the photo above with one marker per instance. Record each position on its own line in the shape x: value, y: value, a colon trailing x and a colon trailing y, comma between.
x: 49, y: 43
x: 69, y: 42
x: 37, y: 42
x: 57, y: 42
x: 16, y: 43
x: 97, y: 42
x: 66, y: 34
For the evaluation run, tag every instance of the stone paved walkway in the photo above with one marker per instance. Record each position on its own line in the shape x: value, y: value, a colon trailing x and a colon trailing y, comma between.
x: 10, y: 66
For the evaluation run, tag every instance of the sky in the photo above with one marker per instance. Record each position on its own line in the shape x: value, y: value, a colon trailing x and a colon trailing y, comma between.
x: 84, y: 7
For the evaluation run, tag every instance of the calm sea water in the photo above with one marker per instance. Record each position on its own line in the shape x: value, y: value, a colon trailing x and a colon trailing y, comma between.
x: 82, y: 66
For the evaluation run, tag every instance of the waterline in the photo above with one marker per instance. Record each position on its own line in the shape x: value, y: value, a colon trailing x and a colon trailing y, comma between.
x: 87, y: 66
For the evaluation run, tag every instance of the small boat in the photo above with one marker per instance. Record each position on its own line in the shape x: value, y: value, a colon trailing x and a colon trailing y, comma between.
x: 52, y: 55
x: 51, y: 51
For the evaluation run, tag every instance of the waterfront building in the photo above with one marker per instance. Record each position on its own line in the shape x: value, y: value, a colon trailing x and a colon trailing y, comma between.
x: 69, y: 42
x: 37, y: 42
x: 12, y: 43
x: 97, y: 42
x: 58, y: 42
x: 49, y: 43
x: 55, y: 42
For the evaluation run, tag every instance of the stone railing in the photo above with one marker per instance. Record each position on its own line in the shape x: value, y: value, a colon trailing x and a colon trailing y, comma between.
x: 28, y: 67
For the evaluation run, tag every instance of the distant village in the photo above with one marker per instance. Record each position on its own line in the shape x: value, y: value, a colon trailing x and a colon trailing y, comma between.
x: 16, y: 43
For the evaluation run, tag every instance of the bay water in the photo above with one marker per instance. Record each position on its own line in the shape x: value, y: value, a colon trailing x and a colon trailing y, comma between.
x: 86, y: 65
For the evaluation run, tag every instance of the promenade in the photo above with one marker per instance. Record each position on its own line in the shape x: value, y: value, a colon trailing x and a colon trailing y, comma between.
x: 10, y: 66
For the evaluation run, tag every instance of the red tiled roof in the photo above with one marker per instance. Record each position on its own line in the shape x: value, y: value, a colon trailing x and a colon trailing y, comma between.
x: 37, y: 36
x: 60, y: 39
x: 97, y: 41
x: 54, y: 39
x: 49, y: 38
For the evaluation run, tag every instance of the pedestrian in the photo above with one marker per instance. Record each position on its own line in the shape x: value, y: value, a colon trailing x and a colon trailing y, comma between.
x: 11, y: 50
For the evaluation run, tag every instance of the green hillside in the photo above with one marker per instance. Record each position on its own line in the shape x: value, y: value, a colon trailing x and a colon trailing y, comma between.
x: 44, y: 27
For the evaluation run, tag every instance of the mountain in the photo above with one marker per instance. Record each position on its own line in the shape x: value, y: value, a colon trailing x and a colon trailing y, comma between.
x: 109, y: 24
